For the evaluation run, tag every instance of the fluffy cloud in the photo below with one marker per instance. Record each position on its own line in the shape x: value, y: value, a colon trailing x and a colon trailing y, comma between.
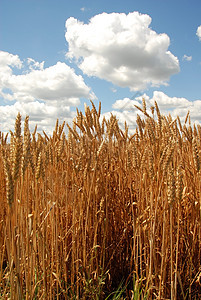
x: 198, y: 33
x: 35, y: 65
x: 125, y: 110
x: 42, y: 93
x: 178, y: 106
x: 122, y: 49
x: 125, y: 104
x: 169, y: 103
x: 7, y: 61
x: 56, y: 83
x: 41, y: 114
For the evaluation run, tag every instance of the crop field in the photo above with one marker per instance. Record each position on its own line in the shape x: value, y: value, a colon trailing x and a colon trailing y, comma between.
x: 93, y: 212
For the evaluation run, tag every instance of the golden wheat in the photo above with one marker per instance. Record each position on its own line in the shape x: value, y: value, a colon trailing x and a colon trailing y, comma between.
x: 95, y: 205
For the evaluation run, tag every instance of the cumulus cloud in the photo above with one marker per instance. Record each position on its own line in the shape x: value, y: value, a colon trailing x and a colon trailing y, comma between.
x: 8, y: 60
x: 198, y: 33
x: 187, y: 58
x: 126, y: 111
x: 42, y: 93
x: 41, y: 114
x: 7, y: 63
x: 56, y: 83
x: 122, y: 49
x: 125, y: 104
x: 35, y: 65
x: 165, y: 102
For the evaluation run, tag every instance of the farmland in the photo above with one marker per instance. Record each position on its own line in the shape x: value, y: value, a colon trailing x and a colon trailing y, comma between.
x: 97, y: 211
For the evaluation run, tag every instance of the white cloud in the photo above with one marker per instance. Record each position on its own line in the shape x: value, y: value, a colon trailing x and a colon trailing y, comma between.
x: 41, y: 114
x: 198, y: 33
x: 165, y: 102
x: 44, y: 94
x: 35, y: 65
x: 7, y: 61
x: 187, y: 58
x: 56, y: 83
x: 122, y: 49
x: 176, y: 106
x: 125, y: 104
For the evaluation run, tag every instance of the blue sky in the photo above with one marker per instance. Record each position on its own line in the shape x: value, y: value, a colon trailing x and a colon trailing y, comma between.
x: 56, y: 55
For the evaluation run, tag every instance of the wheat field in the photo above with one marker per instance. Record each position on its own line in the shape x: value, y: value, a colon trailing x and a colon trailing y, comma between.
x: 92, y: 209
